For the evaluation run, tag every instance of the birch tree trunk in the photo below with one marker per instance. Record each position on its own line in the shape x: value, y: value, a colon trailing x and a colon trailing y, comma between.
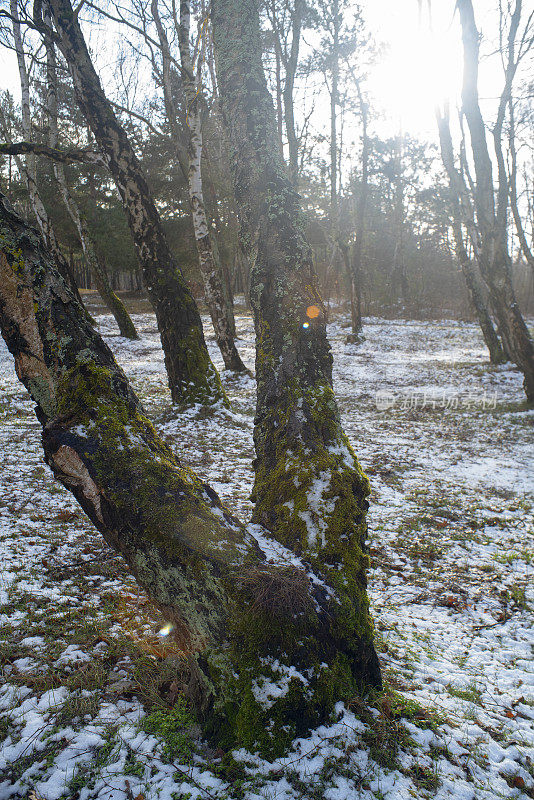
x: 309, y: 488
x: 210, y: 267
x: 115, y: 305
x: 192, y: 376
x: 458, y: 192
x: 246, y: 611
x: 494, y: 259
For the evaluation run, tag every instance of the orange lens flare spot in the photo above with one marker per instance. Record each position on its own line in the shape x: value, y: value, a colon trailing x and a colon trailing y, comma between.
x: 312, y: 312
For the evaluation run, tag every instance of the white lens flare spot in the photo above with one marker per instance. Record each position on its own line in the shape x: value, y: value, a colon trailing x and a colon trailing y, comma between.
x: 305, y: 324
x: 167, y: 628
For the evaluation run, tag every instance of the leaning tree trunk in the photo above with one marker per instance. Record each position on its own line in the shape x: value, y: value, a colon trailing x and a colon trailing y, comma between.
x: 192, y: 376
x: 210, y: 269
x: 245, y: 620
x: 115, y: 305
x: 494, y: 259
x: 458, y: 191
x: 309, y: 489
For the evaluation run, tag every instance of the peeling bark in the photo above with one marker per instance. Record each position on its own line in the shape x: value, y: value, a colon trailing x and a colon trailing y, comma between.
x: 192, y: 376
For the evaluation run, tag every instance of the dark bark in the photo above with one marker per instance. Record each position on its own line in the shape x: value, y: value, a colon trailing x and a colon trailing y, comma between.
x: 192, y: 376
x: 458, y: 191
x: 494, y: 258
x: 239, y: 618
x: 309, y: 489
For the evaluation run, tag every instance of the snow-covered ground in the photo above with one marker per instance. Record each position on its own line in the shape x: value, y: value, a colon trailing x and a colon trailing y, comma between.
x: 447, y: 445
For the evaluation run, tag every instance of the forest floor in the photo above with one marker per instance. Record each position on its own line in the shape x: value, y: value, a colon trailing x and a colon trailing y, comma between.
x: 445, y: 439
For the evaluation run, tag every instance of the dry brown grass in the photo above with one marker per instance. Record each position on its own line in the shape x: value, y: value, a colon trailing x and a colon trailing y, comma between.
x: 277, y: 591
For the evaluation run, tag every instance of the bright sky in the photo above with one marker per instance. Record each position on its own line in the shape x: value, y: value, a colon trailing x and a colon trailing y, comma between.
x: 421, y: 67
x: 423, y: 63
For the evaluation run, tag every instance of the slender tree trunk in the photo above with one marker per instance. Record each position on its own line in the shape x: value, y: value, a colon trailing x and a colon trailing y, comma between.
x: 309, y: 489
x: 241, y: 621
x: 289, y: 86
x: 279, y: 93
x: 458, y: 190
x: 398, y: 272
x: 494, y: 258
x: 357, y: 248
x: 28, y: 168
x: 210, y: 268
x: 115, y: 305
x: 192, y: 376
x: 527, y: 252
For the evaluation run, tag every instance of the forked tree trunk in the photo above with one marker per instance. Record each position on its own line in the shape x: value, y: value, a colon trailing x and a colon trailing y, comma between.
x: 458, y: 191
x: 244, y: 620
x: 192, y: 376
x: 115, y: 305
x: 309, y: 489
x: 494, y: 258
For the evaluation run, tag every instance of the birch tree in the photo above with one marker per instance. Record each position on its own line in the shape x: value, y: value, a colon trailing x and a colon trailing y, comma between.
x: 192, y: 376
x: 28, y: 167
x: 210, y: 267
x: 490, y: 200
x: 462, y: 215
x: 115, y: 305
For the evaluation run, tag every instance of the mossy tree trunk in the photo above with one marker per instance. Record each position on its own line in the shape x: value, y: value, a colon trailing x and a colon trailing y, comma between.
x: 272, y: 643
x: 491, y: 202
x: 459, y: 201
x: 115, y: 305
x: 309, y: 488
x: 192, y: 376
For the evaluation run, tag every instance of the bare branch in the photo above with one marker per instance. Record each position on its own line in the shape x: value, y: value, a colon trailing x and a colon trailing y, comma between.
x: 55, y: 154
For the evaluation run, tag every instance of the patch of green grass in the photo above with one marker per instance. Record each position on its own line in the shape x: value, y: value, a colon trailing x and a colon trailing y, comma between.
x: 471, y: 693
x: 173, y: 727
x: 424, y: 778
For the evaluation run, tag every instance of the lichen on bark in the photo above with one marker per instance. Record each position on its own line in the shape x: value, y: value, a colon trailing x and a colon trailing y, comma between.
x: 309, y: 490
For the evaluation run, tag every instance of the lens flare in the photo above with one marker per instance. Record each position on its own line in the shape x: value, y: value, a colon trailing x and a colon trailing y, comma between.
x: 305, y: 324
x: 167, y: 628
x: 312, y: 312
